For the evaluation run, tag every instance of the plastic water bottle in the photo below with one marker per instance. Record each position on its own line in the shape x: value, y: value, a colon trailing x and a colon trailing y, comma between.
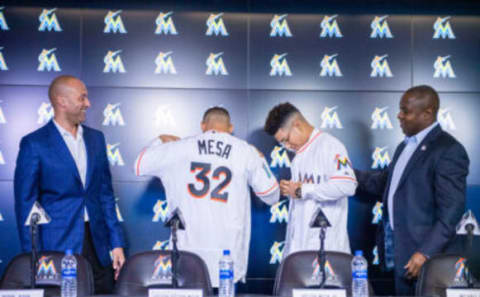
x: 359, y: 275
x: 226, y: 287
x: 69, y: 275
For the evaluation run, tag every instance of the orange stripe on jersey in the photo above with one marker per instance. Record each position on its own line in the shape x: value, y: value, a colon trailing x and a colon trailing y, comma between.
x: 304, y: 147
x: 343, y: 177
x: 140, y: 160
x: 219, y: 200
x: 269, y: 190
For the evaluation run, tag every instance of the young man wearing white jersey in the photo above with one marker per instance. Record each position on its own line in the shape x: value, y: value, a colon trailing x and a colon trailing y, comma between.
x: 207, y: 177
x: 322, y: 176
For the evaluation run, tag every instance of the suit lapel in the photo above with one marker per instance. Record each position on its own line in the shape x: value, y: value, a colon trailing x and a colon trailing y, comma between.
x: 420, y: 151
x: 60, y: 147
x: 90, y: 148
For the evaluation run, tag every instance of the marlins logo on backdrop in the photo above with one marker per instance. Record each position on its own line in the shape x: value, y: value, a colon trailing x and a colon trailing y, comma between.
x: 48, y: 61
x: 376, y: 258
x: 160, y: 210
x: 380, y: 28
x: 280, y: 26
x: 113, y: 115
x: 46, y: 269
x: 380, y: 67
x: 113, y: 62
x: 113, y: 23
x: 45, y: 113
x: 330, y: 66
x: 1, y: 220
x: 164, y: 63
x: 48, y: 21
x: 114, y: 155
x: 443, y: 29
x: 330, y: 118
x: 117, y: 209
x: 446, y: 120
x: 2, y: 159
x: 380, y: 119
x: 443, y: 67
x: 3, y: 120
x: 279, y: 65
x: 380, y: 158
x: 279, y: 212
x: 165, y: 24
x: 162, y: 271
x: 279, y: 157
x: 3, y: 21
x: 3, y: 64
x: 215, y: 65
x: 164, y: 117
x: 330, y: 27
x: 161, y: 245
x: 276, y: 252
x: 377, y: 212
x: 216, y: 26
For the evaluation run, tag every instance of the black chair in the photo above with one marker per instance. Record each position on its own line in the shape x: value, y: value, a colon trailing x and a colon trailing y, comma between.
x: 297, y: 271
x: 437, y: 275
x: 152, y: 269
x: 48, y: 275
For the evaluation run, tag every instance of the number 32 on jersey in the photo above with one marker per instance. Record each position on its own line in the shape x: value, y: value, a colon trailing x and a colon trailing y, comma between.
x: 202, y: 187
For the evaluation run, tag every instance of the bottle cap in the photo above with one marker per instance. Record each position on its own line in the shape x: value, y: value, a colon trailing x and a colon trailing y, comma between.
x: 358, y: 253
x: 226, y: 252
x: 69, y: 252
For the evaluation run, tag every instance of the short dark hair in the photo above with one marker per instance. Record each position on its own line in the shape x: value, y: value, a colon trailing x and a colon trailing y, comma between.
x: 278, y: 116
x: 427, y: 93
x: 216, y: 111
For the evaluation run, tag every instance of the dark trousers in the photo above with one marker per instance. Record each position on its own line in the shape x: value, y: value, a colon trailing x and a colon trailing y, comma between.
x: 103, y: 276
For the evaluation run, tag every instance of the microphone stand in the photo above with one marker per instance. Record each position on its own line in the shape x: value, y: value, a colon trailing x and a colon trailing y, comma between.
x: 175, y: 254
x: 321, y: 256
x: 34, y: 257
x: 468, y: 273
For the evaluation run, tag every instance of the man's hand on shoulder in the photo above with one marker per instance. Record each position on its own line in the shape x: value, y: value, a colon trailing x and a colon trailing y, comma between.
x: 168, y: 138
x: 118, y: 260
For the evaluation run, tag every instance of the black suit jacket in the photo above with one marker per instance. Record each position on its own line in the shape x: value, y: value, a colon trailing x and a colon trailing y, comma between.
x: 430, y: 197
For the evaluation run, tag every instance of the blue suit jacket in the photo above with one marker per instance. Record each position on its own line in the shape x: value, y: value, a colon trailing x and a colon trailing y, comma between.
x: 429, y: 200
x: 46, y: 172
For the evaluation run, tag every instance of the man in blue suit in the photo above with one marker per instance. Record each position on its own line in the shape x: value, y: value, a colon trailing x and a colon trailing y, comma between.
x: 423, y: 190
x: 64, y: 167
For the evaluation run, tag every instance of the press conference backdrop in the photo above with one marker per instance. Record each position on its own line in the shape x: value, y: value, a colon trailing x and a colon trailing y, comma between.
x: 153, y: 72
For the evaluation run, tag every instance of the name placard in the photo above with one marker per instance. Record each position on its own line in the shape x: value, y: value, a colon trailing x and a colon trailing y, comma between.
x: 319, y: 293
x: 463, y: 292
x: 22, y: 293
x: 175, y: 293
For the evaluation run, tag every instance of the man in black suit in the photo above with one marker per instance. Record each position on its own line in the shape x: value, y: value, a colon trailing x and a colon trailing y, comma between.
x: 423, y: 190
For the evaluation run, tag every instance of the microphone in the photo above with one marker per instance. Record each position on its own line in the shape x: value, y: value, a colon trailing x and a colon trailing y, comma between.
x: 175, y: 219
x: 37, y: 216
x: 319, y: 219
x: 468, y: 225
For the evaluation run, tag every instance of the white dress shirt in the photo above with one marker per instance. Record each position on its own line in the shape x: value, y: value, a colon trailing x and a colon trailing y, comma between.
x: 77, y: 149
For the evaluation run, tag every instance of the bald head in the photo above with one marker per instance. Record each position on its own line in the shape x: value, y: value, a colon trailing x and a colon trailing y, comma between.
x: 217, y: 118
x: 60, y: 86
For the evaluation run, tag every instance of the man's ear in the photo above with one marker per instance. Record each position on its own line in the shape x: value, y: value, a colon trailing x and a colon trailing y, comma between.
x: 203, y: 126
x: 230, y: 129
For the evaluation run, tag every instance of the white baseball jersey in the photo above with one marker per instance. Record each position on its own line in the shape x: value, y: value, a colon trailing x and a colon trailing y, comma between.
x: 322, y: 165
x: 207, y: 177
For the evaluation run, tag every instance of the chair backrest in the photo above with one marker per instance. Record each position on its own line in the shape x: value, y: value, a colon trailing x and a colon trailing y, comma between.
x: 438, y: 274
x: 48, y: 274
x: 301, y: 270
x: 153, y: 269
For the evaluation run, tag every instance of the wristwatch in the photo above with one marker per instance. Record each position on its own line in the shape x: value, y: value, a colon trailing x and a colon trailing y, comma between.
x: 298, y: 192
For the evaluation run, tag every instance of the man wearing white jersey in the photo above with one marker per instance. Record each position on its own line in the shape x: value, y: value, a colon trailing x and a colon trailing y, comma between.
x: 322, y: 176
x: 207, y: 178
